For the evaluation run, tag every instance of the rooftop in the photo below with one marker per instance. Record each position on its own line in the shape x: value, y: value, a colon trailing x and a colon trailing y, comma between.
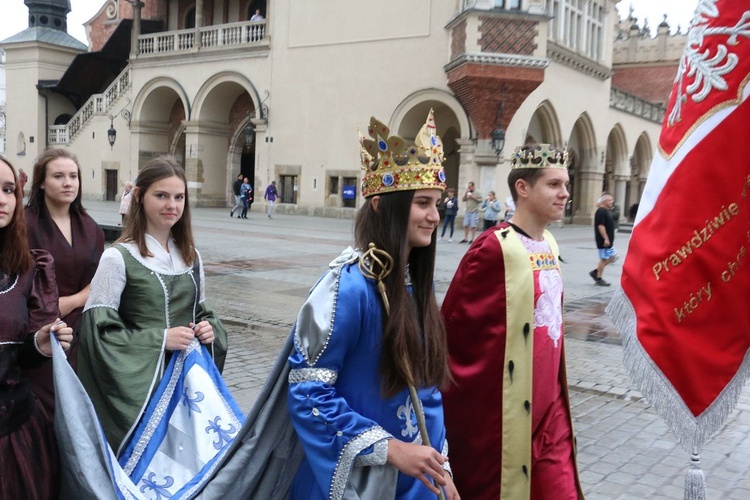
x: 46, y: 35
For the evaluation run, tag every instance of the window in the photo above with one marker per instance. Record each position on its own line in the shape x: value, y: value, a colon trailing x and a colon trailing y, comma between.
x: 333, y: 185
x: 21, y: 144
x: 578, y: 25
x: 289, y: 189
x: 508, y: 4
x: 349, y: 193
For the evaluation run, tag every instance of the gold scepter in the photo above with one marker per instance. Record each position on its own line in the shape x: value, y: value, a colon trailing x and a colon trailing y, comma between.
x: 368, y: 262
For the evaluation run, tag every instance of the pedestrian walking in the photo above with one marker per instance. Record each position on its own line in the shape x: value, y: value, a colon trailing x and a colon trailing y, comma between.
x: 147, y: 302
x: 604, y: 234
x: 58, y: 223
x: 450, y: 202
x: 237, y: 190
x: 356, y: 356
x: 246, y: 196
x: 29, y: 463
x: 508, y: 414
x: 270, y: 196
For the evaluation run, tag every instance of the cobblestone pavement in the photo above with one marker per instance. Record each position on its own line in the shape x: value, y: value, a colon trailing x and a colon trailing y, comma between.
x: 258, y: 272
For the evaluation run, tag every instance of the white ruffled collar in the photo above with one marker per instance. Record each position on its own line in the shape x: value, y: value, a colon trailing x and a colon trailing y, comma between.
x: 162, y: 262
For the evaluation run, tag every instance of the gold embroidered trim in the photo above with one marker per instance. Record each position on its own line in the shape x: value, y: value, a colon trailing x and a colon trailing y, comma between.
x: 543, y: 261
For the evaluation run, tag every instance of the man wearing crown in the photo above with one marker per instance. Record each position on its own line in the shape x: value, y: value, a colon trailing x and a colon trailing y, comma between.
x: 508, y: 412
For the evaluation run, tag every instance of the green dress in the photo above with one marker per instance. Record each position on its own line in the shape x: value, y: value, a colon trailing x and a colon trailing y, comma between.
x: 133, y: 301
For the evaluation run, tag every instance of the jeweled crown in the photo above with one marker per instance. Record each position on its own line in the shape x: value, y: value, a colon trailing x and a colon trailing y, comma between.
x: 390, y: 165
x: 539, y: 156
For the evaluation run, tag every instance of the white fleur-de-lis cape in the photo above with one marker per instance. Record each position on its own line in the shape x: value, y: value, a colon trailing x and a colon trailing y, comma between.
x: 188, y: 427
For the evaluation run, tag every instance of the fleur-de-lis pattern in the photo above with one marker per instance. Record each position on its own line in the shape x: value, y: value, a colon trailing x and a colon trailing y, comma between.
x: 192, y: 404
x: 161, y: 490
x: 406, y: 413
x: 222, y: 435
x: 191, y: 387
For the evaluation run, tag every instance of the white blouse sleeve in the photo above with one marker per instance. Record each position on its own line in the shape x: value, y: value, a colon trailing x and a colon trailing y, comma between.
x: 108, y: 282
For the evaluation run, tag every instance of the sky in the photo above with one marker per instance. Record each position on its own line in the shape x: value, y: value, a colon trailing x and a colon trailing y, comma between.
x: 678, y: 12
x: 14, y: 17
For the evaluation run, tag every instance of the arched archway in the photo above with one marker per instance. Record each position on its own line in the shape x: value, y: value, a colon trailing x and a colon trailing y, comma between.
x: 616, y: 168
x: 242, y: 157
x: 453, y: 126
x: 643, y: 155
x: 224, y: 124
x: 544, y: 126
x: 640, y: 163
x: 156, y: 98
x: 448, y: 128
x: 189, y: 20
x: 159, y: 112
x: 586, y: 173
x: 63, y: 119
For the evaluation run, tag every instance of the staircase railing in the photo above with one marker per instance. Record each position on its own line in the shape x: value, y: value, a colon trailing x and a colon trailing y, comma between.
x: 98, y: 104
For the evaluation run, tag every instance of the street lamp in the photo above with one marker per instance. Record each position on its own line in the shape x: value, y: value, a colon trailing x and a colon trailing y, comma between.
x: 111, y: 133
x: 498, y: 140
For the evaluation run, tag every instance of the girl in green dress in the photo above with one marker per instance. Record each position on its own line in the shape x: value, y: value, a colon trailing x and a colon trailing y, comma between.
x: 147, y: 300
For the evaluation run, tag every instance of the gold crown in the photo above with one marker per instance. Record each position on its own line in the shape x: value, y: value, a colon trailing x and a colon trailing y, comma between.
x: 390, y: 166
x: 539, y: 156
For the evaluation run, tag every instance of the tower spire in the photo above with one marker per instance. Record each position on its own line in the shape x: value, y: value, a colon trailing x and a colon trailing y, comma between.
x: 51, y: 14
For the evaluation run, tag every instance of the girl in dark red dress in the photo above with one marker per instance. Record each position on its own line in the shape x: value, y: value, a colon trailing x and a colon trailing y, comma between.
x: 57, y: 222
x: 28, y: 299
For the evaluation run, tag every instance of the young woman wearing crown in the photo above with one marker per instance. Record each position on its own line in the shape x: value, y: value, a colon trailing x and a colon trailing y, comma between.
x: 369, y: 340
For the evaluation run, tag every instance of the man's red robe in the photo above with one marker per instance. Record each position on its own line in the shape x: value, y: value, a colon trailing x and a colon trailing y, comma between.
x: 508, y: 413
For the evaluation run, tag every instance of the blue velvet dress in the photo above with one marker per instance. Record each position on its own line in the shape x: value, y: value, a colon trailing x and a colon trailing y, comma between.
x: 335, y: 400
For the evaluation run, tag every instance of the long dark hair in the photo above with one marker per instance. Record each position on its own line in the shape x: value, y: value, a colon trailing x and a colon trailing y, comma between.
x: 36, y: 195
x: 135, y: 220
x: 413, y: 332
x: 15, y: 257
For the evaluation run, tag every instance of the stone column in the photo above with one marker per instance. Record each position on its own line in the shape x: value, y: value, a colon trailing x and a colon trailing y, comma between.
x: 619, y: 194
x: 588, y: 191
x: 147, y: 141
x: 635, y: 191
x: 198, y: 22
x: 206, y: 163
x: 467, y: 167
x: 136, y: 31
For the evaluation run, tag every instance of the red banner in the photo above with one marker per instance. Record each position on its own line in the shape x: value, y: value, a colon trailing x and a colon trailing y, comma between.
x: 683, y: 308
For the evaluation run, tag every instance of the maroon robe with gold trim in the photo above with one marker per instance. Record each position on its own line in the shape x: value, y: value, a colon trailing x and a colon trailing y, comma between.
x: 75, y: 266
x: 499, y: 437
